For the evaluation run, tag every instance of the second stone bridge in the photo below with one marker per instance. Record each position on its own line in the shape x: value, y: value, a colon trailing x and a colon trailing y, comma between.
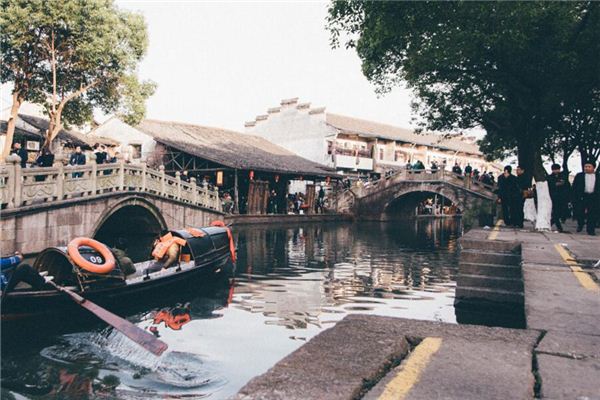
x: 398, y: 195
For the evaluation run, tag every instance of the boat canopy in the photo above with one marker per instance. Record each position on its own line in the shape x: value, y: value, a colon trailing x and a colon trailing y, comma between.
x: 214, y: 238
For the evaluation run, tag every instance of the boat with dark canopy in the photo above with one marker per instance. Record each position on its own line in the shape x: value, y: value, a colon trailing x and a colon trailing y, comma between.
x: 206, y: 253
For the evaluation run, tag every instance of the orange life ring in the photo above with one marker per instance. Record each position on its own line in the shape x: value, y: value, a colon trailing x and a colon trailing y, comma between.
x: 109, y: 258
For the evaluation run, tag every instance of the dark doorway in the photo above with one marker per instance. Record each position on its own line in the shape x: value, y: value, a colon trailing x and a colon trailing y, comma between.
x: 133, y: 227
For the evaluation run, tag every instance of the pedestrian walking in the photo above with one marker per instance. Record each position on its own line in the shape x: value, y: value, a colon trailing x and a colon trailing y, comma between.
x: 560, y: 192
x: 508, y: 195
x: 524, y: 183
x: 586, y: 196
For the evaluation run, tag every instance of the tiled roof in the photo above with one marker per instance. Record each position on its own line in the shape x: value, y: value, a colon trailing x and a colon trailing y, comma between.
x: 231, y: 149
x: 378, y: 130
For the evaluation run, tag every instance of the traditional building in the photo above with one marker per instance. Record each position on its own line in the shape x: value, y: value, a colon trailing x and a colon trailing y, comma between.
x: 355, y: 146
x: 255, y: 172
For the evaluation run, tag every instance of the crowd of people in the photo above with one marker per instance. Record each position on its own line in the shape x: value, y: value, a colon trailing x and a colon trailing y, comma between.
x: 77, y: 157
x: 581, y: 200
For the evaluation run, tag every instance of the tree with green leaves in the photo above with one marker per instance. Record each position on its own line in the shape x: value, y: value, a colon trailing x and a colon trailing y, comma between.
x: 72, y: 57
x: 511, y: 68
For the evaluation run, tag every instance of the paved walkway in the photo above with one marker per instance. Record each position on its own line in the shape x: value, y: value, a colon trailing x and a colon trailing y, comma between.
x: 562, y: 299
x: 556, y: 357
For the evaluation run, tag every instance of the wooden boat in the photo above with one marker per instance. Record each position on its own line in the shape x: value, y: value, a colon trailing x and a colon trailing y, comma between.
x: 202, y: 258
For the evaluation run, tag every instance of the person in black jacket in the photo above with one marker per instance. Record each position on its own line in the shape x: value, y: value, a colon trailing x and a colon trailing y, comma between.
x: 560, y: 192
x: 509, y: 195
x: 77, y: 158
x: 21, y: 152
x: 586, y: 196
x: 524, y: 183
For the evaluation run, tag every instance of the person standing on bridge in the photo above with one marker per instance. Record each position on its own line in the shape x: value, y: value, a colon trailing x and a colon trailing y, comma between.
x: 77, y: 158
x: 508, y: 195
x: 21, y: 152
x: 468, y: 170
x: 586, y: 196
x: 457, y: 169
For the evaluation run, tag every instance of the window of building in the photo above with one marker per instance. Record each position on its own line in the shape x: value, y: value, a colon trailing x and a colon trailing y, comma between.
x: 136, y: 151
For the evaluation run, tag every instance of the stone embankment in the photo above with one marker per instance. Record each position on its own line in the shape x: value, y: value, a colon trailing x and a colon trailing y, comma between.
x: 546, y: 278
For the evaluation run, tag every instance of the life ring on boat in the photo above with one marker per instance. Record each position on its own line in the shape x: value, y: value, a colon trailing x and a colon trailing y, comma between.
x: 221, y: 224
x: 109, y: 258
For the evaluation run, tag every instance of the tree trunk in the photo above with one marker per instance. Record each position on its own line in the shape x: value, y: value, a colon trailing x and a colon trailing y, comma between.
x: 526, y: 157
x: 565, y: 161
x: 54, y: 127
x: 584, y: 156
x: 12, y: 122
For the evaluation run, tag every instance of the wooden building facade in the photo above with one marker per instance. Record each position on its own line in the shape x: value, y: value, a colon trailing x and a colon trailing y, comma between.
x: 254, y: 172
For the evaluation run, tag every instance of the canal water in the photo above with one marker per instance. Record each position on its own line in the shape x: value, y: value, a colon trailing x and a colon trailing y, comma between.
x: 290, y: 284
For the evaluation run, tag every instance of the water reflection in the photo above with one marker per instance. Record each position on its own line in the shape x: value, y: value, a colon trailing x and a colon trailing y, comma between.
x: 318, y: 273
x: 291, y: 282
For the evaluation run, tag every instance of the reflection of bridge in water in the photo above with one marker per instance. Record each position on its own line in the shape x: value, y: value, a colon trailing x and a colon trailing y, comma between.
x: 43, y: 207
x: 298, y: 277
x: 398, y: 195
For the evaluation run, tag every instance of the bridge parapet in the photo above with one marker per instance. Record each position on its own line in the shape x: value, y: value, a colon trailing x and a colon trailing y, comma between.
x: 24, y: 187
x: 425, y: 175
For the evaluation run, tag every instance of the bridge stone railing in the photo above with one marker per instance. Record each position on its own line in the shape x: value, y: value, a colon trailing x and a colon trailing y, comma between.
x: 424, y: 175
x: 20, y: 187
x: 346, y: 199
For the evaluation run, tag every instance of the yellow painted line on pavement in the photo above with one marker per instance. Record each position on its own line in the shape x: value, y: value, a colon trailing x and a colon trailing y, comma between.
x: 494, y: 233
x: 411, y: 370
x: 583, y: 277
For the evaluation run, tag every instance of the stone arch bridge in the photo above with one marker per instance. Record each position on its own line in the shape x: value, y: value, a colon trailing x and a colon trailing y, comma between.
x: 398, y: 195
x: 43, y: 207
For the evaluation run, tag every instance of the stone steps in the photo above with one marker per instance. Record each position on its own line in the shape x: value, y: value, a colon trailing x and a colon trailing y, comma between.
x: 490, y: 278
x: 488, y: 257
x: 496, y: 270
x: 514, y: 285
x: 479, y: 294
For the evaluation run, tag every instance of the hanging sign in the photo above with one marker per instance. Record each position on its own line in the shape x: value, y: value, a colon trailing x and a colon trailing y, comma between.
x: 219, y: 178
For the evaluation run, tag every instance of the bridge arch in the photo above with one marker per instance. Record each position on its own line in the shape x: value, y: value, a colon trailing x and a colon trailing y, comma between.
x: 404, y: 202
x: 133, y: 221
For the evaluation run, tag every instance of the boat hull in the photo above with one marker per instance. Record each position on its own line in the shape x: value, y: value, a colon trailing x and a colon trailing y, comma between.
x: 55, y: 308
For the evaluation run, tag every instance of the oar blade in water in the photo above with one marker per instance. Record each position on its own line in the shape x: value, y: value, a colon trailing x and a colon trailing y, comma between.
x: 133, y: 332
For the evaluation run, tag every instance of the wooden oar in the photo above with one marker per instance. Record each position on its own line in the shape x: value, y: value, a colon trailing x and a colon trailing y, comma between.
x: 145, y: 339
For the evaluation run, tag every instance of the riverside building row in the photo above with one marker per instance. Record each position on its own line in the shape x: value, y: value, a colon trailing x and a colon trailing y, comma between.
x: 354, y: 146
x: 294, y: 148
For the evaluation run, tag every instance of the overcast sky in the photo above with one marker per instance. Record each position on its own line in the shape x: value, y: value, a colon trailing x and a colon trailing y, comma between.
x: 222, y: 63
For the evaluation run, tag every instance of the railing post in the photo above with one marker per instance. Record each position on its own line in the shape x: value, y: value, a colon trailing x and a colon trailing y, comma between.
x: 11, y: 185
x: 144, y: 168
x: 121, y: 173
x: 162, y: 180
x: 206, y: 200
x: 178, y: 180
x: 94, y: 174
x: 194, y: 190
x: 18, y: 182
x: 60, y: 177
